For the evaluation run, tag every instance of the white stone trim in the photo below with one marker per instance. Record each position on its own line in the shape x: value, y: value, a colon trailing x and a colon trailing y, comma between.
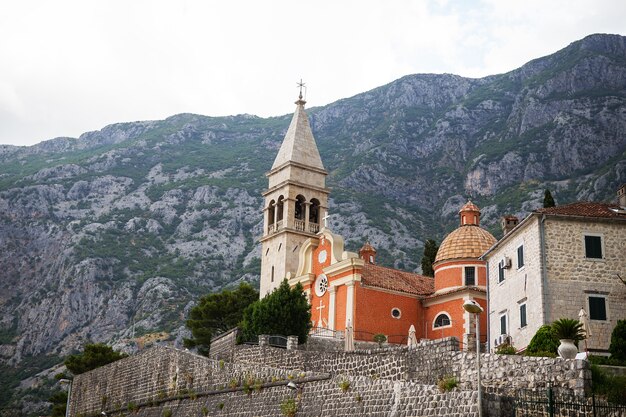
x: 606, y: 306
x: 332, y: 294
x: 441, y: 327
x: 350, y: 304
x: 399, y: 311
x: 584, y: 254
x: 345, y: 280
x: 477, y: 265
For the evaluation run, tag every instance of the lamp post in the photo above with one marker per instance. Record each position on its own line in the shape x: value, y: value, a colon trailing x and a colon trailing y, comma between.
x: 473, y: 307
x: 69, y: 392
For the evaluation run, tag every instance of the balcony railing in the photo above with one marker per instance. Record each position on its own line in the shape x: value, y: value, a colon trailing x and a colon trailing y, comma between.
x: 299, y: 225
x: 314, y: 227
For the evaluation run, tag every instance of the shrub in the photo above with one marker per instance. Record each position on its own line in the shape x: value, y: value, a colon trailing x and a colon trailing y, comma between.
x: 220, y: 406
x: 132, y: 406
x: 568, y: 329
x: 344, y: 384
x: 380, y: 339
x: 618, y: 341
x: 167, y: 413
x: 447, y: 383
x: 205, y: 411
x: 234, y: 383
x: 506, y: 349
x: 544, y: 341
x: 289, y: 407
x: 613, y: 388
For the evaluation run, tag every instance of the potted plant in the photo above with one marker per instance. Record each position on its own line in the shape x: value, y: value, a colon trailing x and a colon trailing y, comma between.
x: 568, y: 331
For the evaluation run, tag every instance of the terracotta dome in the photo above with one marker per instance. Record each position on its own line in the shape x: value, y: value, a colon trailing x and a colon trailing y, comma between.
x: 467, y: 241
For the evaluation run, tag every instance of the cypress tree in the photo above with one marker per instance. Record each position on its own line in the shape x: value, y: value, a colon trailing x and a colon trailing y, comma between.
x: 430, y: 253
x: 548, y: 201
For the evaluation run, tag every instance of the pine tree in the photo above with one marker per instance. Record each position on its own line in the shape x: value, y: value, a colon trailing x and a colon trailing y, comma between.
x: 285, y: 311
x: 94, y: 356
x: 218, y: 313
x: 548, y: 201
x: 430, y: 253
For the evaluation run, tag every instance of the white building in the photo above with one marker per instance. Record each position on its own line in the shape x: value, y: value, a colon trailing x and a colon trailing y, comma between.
x: 555, y: 262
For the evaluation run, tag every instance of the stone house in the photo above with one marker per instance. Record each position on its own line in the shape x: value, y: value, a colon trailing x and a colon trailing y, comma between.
x: 554, y: 263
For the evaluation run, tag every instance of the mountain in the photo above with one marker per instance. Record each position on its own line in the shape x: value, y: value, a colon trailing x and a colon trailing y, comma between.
x: 123, y: 228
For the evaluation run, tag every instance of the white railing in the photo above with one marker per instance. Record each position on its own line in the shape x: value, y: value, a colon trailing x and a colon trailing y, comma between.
x: 299, y: 225
x: 314, y: 227
x: 270, y: 229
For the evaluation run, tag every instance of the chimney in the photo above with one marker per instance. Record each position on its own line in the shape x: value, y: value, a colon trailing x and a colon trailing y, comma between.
x: 508, y: 223
x: 621, y: 196
x: 368, y: 253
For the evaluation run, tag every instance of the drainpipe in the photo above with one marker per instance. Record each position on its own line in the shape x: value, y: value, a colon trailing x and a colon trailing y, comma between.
x: 544, y: 269
x: 488, y: 341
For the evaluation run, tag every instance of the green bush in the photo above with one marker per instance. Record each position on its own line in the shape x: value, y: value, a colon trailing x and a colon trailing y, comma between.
x: 447, y: 383
x: 289, y: 407
x: 380, y: 339
x: 612, y: 388
x: 544, y: 342
x: 605, y: 360
x: 618, y: 341
x: 506, y: 349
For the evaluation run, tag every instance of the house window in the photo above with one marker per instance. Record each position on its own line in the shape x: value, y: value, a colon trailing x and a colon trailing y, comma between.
x: 503, y: 324
x: 597, y: 308
x: 470, y: 275
x: 522, y: 316
x: 593, y: 247
x: 396, y: 313
x: 272, y: 274
x: 501, y: 271
x: 442, y: 320
x: 520, y: 257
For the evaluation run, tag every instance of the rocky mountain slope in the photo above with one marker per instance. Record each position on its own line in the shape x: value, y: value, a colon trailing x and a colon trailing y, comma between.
x: 125, y: 227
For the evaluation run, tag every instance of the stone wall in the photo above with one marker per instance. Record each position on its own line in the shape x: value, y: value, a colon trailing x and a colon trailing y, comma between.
x: 572, y: 277
x: 223, y: 345
x: 160, y: 373
x: 379, y: 382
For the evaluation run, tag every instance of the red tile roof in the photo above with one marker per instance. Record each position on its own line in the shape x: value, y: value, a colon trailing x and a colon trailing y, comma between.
x: 393, y: 279
x: 585, y: 209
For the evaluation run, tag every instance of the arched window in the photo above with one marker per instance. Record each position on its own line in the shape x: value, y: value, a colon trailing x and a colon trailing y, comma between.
x: 300, y: 207
x: 442, y: 320
x: 314, y: 211
x: 279, y: 208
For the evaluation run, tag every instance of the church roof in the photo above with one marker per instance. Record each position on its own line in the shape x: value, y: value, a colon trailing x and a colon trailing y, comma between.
x: 469, y: 206
x: 468, y: 241
x: 393, y: 279
x: 299, y: 144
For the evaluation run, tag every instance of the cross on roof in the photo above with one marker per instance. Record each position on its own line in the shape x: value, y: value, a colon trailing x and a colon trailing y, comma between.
x: 325, y: 218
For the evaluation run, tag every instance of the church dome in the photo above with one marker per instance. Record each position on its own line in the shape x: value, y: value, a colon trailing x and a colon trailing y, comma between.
x: 469, y: 240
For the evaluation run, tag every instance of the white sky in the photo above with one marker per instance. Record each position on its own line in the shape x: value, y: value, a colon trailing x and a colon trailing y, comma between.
x: 67, y: 67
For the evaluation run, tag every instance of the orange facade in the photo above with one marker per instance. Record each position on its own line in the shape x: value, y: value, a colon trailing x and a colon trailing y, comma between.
x: 373, y: 313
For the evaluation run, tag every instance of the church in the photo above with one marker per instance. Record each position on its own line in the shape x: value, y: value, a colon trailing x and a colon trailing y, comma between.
x: 350, y: 289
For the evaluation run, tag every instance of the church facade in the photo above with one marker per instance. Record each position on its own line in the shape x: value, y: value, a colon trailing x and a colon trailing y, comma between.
x: 350, y: 289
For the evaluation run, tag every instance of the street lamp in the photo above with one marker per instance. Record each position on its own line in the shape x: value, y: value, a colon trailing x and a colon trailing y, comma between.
x: 473, y: 307
x: 69, y: 392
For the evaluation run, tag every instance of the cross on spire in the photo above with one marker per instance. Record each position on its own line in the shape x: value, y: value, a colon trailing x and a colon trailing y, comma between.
x: 301, y: 84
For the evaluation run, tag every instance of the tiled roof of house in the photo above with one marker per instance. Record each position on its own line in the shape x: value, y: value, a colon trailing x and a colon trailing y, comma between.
x: 467, y: 241
x: 393, y: 279
x: 585, y: 209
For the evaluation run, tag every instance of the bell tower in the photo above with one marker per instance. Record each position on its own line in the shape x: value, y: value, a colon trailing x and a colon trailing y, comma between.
x: 295, y: 202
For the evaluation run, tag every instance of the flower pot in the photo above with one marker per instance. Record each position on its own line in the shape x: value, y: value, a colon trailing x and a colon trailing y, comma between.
x: 567, y: 349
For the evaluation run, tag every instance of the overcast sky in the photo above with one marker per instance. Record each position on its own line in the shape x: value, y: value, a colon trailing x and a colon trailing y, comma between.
x: 67, y: 67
